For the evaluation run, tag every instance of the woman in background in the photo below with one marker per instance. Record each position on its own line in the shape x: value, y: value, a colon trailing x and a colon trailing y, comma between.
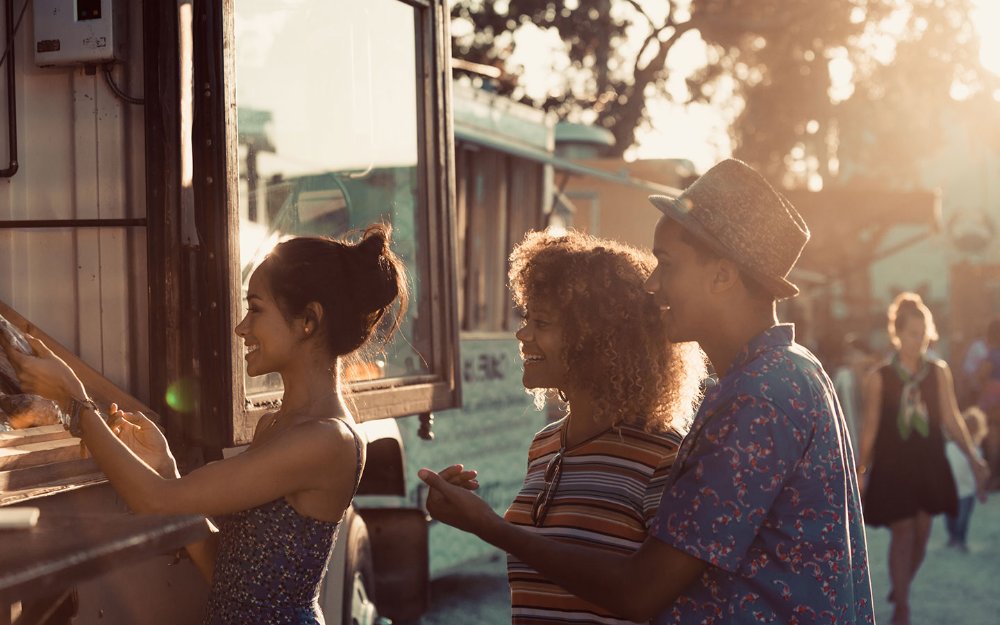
x: 988, y: 379
x: 907, y: 402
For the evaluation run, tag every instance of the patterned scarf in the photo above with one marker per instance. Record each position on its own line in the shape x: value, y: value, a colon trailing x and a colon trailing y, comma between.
x: 912, y: 414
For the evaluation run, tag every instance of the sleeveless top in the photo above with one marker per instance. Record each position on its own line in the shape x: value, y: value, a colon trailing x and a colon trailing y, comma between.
x: 909, y: 474
x: 270, y: 563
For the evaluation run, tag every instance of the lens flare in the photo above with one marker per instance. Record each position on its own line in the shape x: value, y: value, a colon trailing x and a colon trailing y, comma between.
x: 182, y: 395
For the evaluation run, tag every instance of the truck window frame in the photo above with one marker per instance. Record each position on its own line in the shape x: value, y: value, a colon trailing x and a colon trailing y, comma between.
x: 214, y: 124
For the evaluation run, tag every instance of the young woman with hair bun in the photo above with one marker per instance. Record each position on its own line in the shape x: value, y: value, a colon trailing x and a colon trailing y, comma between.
x: 312, y: 302
x: 908, y: 400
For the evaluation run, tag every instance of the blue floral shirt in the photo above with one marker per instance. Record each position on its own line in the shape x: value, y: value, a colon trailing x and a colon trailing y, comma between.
x: 763, y: 489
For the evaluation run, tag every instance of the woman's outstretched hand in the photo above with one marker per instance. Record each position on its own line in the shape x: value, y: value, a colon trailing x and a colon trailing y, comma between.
x: 144, y: 439
x: 45, y: 373
x: 455, y: 504
x: 457, y: 475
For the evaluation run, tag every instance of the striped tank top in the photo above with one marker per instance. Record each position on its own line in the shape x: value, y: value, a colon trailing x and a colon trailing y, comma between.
x: 602, y: 493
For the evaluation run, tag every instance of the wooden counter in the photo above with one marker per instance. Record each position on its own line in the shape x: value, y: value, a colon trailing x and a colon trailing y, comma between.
x: 63, y: 549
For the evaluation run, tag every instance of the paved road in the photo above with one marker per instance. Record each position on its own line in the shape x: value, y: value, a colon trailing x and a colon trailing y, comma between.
x: 951, y: 587
x: 476, y: 593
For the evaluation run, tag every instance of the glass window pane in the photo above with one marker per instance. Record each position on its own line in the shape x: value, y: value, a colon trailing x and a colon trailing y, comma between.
x: 329, y: 140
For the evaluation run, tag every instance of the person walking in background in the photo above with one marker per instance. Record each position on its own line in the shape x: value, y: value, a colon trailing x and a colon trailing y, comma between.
x: 965, y: 481
x: 988, y: 383
x: 967, y: 386
x: 847, y: 380
x: 760, y: 520
x: 311, y: 303
x: 907, y: 402
x: 592, y: 336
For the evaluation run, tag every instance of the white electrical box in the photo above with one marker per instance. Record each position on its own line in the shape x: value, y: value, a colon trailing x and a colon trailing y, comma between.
x: 74, y: 32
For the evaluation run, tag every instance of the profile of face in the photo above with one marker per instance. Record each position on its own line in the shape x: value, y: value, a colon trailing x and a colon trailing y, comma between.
x: 541, y: 338
x: 269, y: 338
x: 913, y: 338
x: 677, y: 284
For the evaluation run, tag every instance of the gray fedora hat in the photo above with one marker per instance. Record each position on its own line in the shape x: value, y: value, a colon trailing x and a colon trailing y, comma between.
x: 739, y: 215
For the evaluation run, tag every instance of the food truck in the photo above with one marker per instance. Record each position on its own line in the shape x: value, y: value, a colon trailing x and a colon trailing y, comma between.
x: 154, y: 153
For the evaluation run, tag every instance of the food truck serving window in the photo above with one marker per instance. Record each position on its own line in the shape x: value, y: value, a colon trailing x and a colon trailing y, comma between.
x: 339, y: 124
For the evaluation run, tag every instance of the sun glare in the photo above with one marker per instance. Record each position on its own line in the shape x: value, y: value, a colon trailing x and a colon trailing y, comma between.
x: 986, y: 17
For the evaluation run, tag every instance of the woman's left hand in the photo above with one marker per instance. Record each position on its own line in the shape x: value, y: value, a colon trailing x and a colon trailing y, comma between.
x: 457, y: 475
x: 144, y: 439
x: 45, y: 373
x: 456, y: 506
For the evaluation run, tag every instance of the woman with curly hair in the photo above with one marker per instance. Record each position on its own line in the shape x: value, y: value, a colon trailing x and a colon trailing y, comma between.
x: 594, y: 337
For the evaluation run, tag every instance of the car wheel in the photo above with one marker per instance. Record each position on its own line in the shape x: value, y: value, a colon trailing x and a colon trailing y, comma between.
x: 359, y: 574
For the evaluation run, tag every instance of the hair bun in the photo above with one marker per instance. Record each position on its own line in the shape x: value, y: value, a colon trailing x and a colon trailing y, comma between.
x: 376, y: 268
x: 361, y: 286
x: 374, y: 242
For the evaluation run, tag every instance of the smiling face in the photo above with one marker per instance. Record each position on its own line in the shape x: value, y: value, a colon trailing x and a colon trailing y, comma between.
x: 679, y: 283
x: 269, y: 337
x: 541, y: 338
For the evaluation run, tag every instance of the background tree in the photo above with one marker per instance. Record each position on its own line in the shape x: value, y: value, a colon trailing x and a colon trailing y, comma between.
x: 901, y: 111
x: 768, y: 61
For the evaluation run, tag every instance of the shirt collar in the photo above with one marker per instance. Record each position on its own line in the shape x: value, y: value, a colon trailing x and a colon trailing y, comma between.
x: 781, y: 335
x: 777, y: 336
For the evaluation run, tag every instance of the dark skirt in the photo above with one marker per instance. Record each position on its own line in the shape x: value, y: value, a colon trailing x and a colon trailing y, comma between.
x: 899, y: 492
x: 908, y: 475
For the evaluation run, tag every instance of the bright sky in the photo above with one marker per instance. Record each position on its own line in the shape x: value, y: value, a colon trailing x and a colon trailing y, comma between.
x: 358, y: 55
x: 699, y: 132
x: 987, y: 19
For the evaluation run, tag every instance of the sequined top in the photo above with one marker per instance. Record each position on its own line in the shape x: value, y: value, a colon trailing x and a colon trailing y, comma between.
x: 270, y: 564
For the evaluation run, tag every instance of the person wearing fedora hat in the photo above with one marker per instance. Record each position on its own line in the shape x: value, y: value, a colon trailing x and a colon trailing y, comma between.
x: 760, y: 519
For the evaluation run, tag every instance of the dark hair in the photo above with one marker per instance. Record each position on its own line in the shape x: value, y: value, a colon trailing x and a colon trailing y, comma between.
x: 908, y: 306
x: 614, y: 338
x: 705, y: 253
x: 355, y: 283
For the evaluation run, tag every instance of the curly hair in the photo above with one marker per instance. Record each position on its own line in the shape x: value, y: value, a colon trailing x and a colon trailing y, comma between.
x: 615, y: 341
